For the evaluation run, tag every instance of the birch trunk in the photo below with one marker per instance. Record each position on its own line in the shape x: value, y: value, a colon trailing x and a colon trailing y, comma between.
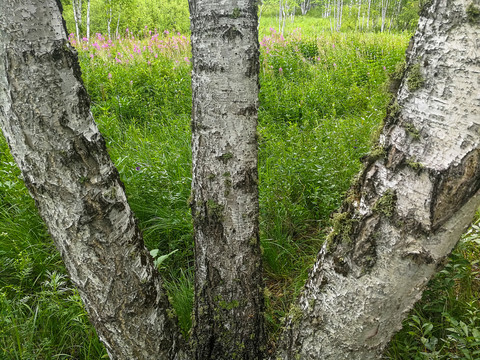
x: 46, y: 119
x: 117, y: 29
x: 77, y: 16
x: 415, y: 197
x: 357, y: 25
x: 228, y: 317
x: 384, y: 14
x: 88, y: 20
x: 109, y: 19
x: 368, y: 13
x: 339, y: 14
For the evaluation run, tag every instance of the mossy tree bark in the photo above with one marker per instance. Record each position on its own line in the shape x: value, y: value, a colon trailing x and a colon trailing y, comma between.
x: 46, y: 119
x: 228, y: 316
x: 416, y: 195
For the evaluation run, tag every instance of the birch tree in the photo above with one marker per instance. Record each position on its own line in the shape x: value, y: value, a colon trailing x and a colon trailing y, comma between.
x: 228, y: 272
x: 384, y: 9
x: 417, y: 193
x: 88, y: 19
x: 305, y: 6
x: 46, y: 119
x: 77, y: 16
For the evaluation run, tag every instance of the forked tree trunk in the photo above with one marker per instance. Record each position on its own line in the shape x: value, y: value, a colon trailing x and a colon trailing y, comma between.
x: 46, y: 119
x: 415, y: 197
x: 228, y: 316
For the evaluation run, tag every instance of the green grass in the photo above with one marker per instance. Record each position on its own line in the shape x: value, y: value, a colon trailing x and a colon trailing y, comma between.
x: 322, y: 96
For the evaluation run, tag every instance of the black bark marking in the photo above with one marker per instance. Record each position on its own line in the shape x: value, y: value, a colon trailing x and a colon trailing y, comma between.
x: 340, y: 265
x: 249, y: 181
x: 454, y: 187
x: 232, y: 33
x: 365, y: 251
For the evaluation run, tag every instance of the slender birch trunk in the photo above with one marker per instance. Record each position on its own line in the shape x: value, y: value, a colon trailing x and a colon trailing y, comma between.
x: 117, y: 29
x: 109, y: 19
x: 77, y: 17
x: 368, y: 13
x: 359, y: 13
x: 88, y: 20
x: 339, y: 15
x: 384, y: 14
x: 228, y: 309
x: 46, y: 119
x: 417, y: 194
x: 280, y: 12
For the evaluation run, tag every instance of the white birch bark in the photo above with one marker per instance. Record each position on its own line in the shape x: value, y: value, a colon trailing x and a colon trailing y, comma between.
x: 77, y: 16
x: 368, y: 13
x: 109, y: 18
x: 46, y: 119
x: 358, y: 24
x: 339, y: 13
x: 117, y: 30
x: 384, y: 14
x: 88, y: 20
x: 416, y: 196
x: 228, y: 318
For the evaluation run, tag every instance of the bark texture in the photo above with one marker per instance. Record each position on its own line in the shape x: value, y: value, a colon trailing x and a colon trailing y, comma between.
x: 228, y: 318
x: 417, y: 194
x: 46, y: 119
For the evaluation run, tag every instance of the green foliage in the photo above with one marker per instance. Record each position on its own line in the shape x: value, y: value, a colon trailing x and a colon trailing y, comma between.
x: 134, y: 15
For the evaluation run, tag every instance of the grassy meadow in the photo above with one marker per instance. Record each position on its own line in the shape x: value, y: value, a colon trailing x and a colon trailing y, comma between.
x: 323, y: 97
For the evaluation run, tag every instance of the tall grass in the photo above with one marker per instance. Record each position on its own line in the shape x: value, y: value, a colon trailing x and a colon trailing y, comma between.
x: 322, y: 96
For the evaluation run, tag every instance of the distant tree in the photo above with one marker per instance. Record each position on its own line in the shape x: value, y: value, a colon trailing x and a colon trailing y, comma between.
x: 417, y: 193
x: 77, y: 16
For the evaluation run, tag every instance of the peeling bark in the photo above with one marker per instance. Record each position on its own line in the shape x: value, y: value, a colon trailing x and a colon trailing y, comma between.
x: 415, y: 197
x: 46, y: 119
x: 228, y: 318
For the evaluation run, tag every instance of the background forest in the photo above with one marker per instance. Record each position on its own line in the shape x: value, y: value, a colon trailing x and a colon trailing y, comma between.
x: 325, y: 73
